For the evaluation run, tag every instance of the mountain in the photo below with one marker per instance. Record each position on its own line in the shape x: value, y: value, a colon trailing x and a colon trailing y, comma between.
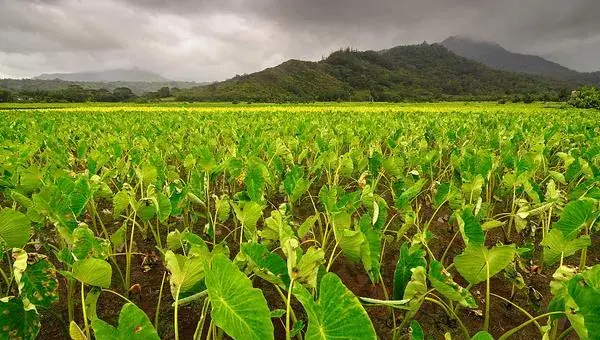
x: 115, y: 75
x: 495, y: 56
x: 415, y: 72
x: 294, y: 79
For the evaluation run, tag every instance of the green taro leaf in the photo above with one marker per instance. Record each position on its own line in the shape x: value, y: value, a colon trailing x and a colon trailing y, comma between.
x: 186, y: 239
x: 294, y: 184
x: 269, y: 266
x: 119, y: 237
x: 409, y: 259
x: 120, y: 202
x: 277, y: 313
x: 85, y: 245
x: 573, y: 217
x: 470, y: 228
x: 277, y: 227
x: 23, y: 200
x: 75, y: 332
x: 337, y: 314
x: 31, y: 179
x: 557, y: 246
x: 148, y: 174
x: 15, y: 229
x: 133, y: 325
x: 592, y: 277
x: 237, y: 308
x: 477, y: 260
x: 206, y: 159
x: 404, y: 198
x: 19, y: 319
x: 80, y: 195
x: 223, y: 208
x: 472, y: 189
x: 248, y: 213
x: 162, y: 206
x: 91, y: 303
x: 36, y: 278
x: 492, y: 224
x: 189, y: 162
x: 255, y: 182
x: 441, y: 196
x: 482, y: 335
x: 307, y: 268
x: 393, y: 165
x: 587, y: 300
x: 187, y: 274
x: 307, y: 225
x: 145, y: 211
x: 94, y: 272
x: 298, y: 326
x: 415, y: 291
x: 370, y: 254
x: 416, y: 332
x: 351, y: 242
x: 442, y: 281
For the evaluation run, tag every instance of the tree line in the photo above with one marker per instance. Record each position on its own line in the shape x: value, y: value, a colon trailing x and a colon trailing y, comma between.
x: 79, y: 94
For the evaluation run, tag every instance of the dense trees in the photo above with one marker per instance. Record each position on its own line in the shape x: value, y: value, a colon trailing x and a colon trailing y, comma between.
x: 71, y: 94
x: 587, y: 97
x: 5, y: 96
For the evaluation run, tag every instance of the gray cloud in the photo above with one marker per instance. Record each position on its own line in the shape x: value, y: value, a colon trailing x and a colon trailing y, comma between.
x: 216, y: 39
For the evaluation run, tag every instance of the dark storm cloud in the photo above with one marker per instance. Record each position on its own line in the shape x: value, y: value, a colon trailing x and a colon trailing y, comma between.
x: 215, y: 39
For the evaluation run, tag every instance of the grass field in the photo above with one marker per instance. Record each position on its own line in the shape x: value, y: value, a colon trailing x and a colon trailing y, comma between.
x: 306, y: 221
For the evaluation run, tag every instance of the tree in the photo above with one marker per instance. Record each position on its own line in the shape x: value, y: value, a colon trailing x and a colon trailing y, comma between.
x: 587, y: 97
x: 102, y: 95
x: 123, y: 94
x: 5, y: 96
x: 73, y: 94
x: 164, y: 92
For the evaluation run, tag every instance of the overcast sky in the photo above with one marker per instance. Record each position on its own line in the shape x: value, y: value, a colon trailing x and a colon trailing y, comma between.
x: 208, y: 40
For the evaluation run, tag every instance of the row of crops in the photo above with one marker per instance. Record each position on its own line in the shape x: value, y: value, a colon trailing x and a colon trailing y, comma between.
x: 307, y: 222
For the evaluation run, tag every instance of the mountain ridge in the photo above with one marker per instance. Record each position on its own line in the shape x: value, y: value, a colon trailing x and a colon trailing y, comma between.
x: 495, y: 56
x: 410, y: 72
x: 112, y: 75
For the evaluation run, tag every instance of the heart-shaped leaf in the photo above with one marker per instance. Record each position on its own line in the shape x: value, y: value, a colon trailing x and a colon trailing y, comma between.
x: 477, y: 261
x: 133, y: 325
x: 557, y: 247
x: 337, y: 314
x: 187, y: 274
x: 15, y: 229
x: 237, y: 308
x: 94, y: 272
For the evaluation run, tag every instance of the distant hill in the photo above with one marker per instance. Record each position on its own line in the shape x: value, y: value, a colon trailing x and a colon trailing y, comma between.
x: 116, y: 75
x: 416, y: 72
x: 138, y: 87
x: 294, y: 79
x: 495, y: 56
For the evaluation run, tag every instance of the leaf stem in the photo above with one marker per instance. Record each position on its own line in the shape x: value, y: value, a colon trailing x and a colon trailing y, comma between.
x: 287, y: 310
x: 486, y: 322
x: 519, y: 308
x: 83, y: 310
x: 524, y: 324
x: 160, y: 293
